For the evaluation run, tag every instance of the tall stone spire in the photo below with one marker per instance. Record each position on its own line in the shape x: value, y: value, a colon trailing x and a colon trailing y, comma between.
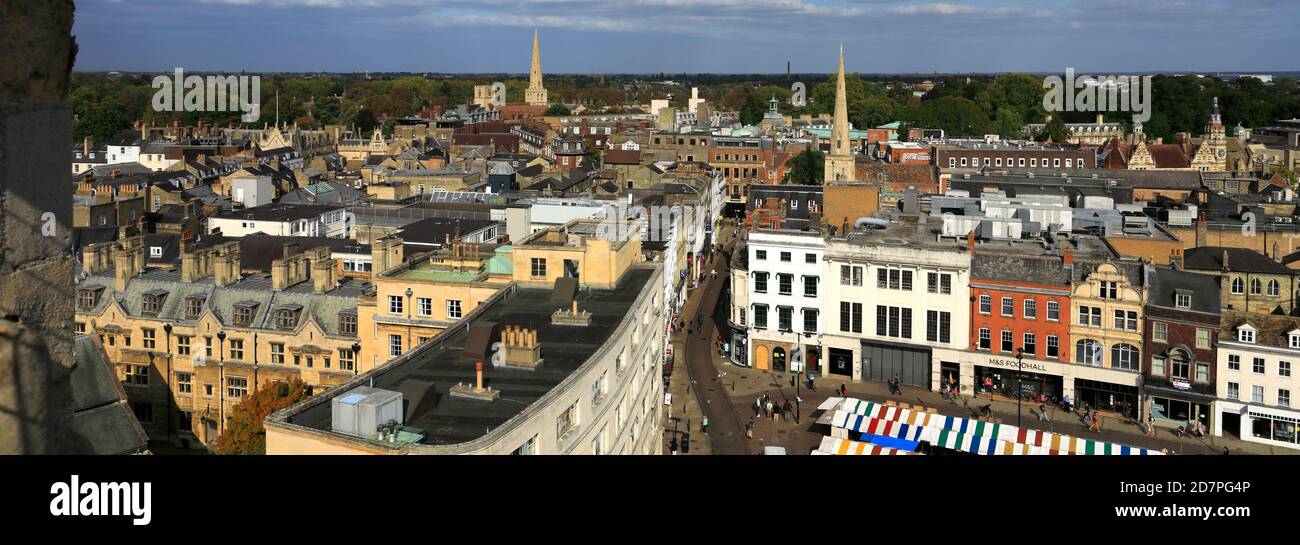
x: 839, y: 164
x: 536, y: 94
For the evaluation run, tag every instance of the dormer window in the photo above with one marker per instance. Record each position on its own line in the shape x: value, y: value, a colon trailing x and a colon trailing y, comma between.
x: 1293, y: 339
x: 286, y: 317
x: 88, y: 297
x: 1183, y: 299
x: 244, y: 312
x: 151, y: 302
x: 194, y: 306
x: 347, y: 323
x: 1246, y: 334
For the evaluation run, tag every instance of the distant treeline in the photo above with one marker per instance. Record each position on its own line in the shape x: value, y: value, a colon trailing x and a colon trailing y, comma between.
x: 963, y: 106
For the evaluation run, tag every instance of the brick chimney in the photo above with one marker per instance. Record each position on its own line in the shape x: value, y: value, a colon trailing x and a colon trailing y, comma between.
x: 87, y: 144
x: 289, y: 249
x: 385, y: 254
x: 1176, y: 258
x: 970, y: 242
x: 322, y: 273
x: 226, y: 264
x: 97, y: 258
x: 1067, y: 258
x: 1202, y: 231
x: 1225, y: 261
x: 126, y: 258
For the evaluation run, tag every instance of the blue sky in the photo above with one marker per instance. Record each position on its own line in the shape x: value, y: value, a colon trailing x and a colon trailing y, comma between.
x: 674, y: 36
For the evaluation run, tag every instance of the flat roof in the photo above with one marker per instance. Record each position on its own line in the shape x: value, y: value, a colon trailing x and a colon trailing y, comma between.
x: 564, y: 349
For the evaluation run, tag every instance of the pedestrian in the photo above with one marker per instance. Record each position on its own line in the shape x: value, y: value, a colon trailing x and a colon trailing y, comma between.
x: 789, y: 410
x: 844, y: 390
x: 749, y: 430
x: 1096, y: 423
x: 1225, y: 451
x: 1065, y: 402
x: 768, y: 409
x: 704, y: 426
x: 1042, y: 411
x: 672, y: 445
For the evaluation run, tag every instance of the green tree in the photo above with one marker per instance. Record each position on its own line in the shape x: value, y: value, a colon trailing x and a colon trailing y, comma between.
x: 246, y: 434
x: 557, y: 109
x: 1007, y: 123
x: 807, y: 167
x: 1054, y: 131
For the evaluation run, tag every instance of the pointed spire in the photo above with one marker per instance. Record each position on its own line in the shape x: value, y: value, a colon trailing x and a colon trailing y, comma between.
x: 536, y: 93
x: 839, y: 165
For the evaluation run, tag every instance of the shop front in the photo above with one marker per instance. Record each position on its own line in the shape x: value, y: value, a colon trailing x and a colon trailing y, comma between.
x: 739, y: 347
x: 1012, y: 382
x: 1004, y: 375
x: 1179, y: 403
x: 840, y: 362
x: 1106, y: 396
x: 1260, y: 424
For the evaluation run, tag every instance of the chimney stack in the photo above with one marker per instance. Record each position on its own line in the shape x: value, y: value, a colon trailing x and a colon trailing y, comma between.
x: 1067, y: 258
x: 478, y: 375
x: 1225, y: 261
x: 87, y: 144
x: 1176, y: 258
x: 1202, y: 231
x: 970, y: 242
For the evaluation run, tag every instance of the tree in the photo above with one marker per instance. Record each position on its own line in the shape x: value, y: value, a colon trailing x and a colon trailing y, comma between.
x: 246, y: 435
x: 808, y: 167
x: 557, y: 109
x: 1053, y: 131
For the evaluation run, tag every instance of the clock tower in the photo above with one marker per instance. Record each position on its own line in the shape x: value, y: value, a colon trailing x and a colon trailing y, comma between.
x: 1212, y: 155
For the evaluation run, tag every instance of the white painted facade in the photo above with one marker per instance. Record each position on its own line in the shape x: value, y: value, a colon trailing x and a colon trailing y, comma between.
x: 785, y: 293
x: 884, y: 279
x: 1257, y: 382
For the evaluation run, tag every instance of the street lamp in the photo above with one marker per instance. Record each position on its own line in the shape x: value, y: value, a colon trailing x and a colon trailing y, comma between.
x: 356, y: 357
x: 1020, y: 391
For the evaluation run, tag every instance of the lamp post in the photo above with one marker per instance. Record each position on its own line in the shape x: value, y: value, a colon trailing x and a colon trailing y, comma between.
x: 356, y: 357
x: 1020, y: 366
x: 167, y: 328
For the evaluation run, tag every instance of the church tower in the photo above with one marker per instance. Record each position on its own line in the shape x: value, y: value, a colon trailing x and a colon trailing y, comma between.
x: 536, y: 94
x: 839, y: 164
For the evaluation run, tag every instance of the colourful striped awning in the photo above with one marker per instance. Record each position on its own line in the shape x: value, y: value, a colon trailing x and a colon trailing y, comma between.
x: 973, y: 435
x: 831, y: 445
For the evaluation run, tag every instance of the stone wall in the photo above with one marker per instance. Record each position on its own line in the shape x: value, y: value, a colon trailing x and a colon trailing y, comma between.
x: 36, y: 296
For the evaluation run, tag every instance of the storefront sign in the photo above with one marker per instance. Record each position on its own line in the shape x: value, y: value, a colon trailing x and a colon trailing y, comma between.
x: 1013, y: 364
x: 1181, y: 383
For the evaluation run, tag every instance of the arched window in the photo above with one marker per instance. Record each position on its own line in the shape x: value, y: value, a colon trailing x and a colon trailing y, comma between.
x: 1180, y: 364
x: 1273, y: 288
x: 778, y: 359
x: 1238, y: 287
x: 1124, y: 356
x: 1087, y: 352
x: 1256, y: 287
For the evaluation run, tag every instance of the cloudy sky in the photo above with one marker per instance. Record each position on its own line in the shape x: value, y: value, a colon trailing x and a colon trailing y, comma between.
x: 646, y: 36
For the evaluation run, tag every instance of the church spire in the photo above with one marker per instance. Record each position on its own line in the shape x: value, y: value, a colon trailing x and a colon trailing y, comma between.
x: 840, y: 130
x: 536, y: 93
x: 839, y: 164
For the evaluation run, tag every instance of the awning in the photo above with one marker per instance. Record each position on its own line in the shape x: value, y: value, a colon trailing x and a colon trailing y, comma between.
x: 969, y: 435
x: 831, y: 445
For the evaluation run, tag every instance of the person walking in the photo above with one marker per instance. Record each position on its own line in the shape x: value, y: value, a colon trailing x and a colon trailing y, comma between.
x: 749, y: 430
x: 1096, y: 423
x: 1042, y: 410
x: 704, y: 426
x: 788, y: 410
x: 844, y: 390
x: 672, y: 445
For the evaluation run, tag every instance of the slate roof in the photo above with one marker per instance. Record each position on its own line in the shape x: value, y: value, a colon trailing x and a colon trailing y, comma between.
x: 1210, y: 258
x: 220, y: 301
x: 102, y: 420
x: 1165, y: 282
x: 1271, y: 329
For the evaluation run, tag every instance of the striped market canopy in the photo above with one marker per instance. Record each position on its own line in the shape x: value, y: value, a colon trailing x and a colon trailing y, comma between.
x: 831, y: 445
x: 976, y: 436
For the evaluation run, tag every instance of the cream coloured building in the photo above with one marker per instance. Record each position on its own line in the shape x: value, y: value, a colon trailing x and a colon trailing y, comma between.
x: 522, y: 374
